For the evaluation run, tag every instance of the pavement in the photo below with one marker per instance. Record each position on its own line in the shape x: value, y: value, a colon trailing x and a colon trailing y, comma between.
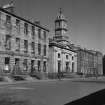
x: 54, y: 91
x: 89, y: 79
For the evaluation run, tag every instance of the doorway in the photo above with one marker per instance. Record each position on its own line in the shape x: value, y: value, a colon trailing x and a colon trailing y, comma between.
x: 72, y: 67
x: 67, y: 67
x: 59, y: 66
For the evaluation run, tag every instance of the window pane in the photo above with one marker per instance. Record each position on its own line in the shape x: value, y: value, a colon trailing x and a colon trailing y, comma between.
x: 17, y: 44
x: 44, y: 66
x: 39, y: 49
x: 7, y: 60
x: 39, y: 33
x: 33, y: 47
x: 25, y: 65
x: 33, y: 31
x: 8, y: 42
x: 39, y: 66
x: 25, y: 46
x: 18, y: 25
x: 44, y: 50
x: 25, y: 28
x: 7, y: 66
x: 44, y: 35
x: 58, y: 55
x: 8, y: 19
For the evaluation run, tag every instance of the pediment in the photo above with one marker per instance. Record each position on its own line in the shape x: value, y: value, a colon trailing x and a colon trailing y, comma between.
x: 66, y: 44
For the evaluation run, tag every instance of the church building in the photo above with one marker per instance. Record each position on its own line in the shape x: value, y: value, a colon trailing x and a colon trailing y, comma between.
x: 62, y: 57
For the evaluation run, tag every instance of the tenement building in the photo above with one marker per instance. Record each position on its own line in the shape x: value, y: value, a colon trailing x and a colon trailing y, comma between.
x: 62, y: 57
x: 23, y: 44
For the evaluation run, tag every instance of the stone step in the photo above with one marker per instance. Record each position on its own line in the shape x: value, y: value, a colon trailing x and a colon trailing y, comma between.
x: 70, y: 75
x: 29, y: 78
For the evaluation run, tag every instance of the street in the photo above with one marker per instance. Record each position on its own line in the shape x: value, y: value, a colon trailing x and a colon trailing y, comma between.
x: 56, y: 92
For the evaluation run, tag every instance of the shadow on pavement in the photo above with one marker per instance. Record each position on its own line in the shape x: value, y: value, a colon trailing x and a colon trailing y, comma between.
x: 97, y: 98
x: 6, y: 99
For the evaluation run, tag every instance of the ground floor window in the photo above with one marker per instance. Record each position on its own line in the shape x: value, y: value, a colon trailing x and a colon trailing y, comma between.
x: 32, y: 66
x: 44, y: 66
x: 39, y: 65
x: 7, y: 65
x: 16, y: 61
x: 16, y: 67
x: 25, y: 66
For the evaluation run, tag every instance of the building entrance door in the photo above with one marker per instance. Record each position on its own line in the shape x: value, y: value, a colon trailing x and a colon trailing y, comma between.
x: 59, y: 66
x: 72, y: 66
x: 67, y: 67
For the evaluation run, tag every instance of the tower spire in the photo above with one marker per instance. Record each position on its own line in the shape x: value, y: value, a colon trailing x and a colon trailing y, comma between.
x: 60, y: 25
x: 60, y: 11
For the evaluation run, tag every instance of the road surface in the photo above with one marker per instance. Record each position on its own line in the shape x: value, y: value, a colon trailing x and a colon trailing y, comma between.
x: 56, y: 92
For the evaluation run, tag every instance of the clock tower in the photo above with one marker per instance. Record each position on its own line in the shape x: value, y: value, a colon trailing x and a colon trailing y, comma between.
x: 60, y: 26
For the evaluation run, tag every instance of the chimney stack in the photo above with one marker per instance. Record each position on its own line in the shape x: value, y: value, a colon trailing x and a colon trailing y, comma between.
x: 37, y: 22
x: 9, y: 7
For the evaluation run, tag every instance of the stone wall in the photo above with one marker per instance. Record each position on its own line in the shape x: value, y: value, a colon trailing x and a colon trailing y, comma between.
x: 14, y: 33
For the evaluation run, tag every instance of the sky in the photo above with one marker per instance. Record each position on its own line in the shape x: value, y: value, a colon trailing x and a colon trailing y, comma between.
x: 86, y: 18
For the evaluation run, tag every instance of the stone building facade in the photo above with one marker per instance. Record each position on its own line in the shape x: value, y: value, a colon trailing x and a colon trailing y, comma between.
x: 23, y: 44
x: 89, y: 62
x: 67, y: 57
x: 62, y: 58
x: 25, y: 47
